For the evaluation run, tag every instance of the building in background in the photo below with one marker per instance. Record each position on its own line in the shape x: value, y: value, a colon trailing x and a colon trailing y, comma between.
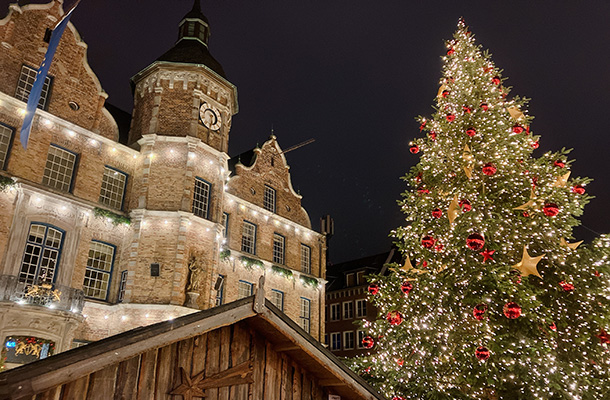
x: 346, y: 303
x: 112, y: 221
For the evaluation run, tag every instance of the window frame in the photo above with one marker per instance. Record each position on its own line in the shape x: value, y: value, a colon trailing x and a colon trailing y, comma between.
x: 305, y: 318
x: 358, y: 314
x: 308, y: 248
x: 40, y: 257
x: 359, y: 339
x: 74, y: 168
x: 9, y: 146
x: 246, y: 222
x: 281, y: 306
x: 273, y: 206
x: 335, y: 307
x: 122, y: 284
x: 334, y: 335
x: 345, y: 341
x: 281, y: 259
x: 45, y: 98
x: 250, y: 284
x: 344, y: 309
x: 87, y: 267
x: 225, y: 223
x: 126, y: 175
x: 350, y: 277
x: 220, y: 293
x: 208, y: 200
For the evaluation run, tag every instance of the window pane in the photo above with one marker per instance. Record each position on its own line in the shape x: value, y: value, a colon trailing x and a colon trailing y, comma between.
x: 248, y: 238
x: 305, y: 259
x: 269, y: 199
x: 113, y: 188
x: 278, y: 248
x: 41, y: 254
x: 25, y: 83
x: 244, y: 289
x: 5, y: 140
x: 59, y: 168
x: 201, y: 198
x: 99, y: 268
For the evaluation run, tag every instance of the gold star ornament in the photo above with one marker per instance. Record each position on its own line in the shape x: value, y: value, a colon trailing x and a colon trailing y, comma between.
x: 573, y: 246
x: 515, y: 113
x: 527, y: 265
x: 454, y: 209
x: 562, y: 180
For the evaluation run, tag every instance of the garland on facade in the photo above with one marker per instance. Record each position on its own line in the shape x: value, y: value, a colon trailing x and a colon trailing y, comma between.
x: 115, y: 218
x: 309, y: 281
x: 6, y: 183
x: 250, y: 263
x: 285, y: 272
x: 225, y: 254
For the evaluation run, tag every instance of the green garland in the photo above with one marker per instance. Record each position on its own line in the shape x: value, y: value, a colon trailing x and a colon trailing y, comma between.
x: 224, y: 254
x: 114, y: 217
x: 6, y: 183
x: 309, y: 281
x: 249, y: 263
x: 285, y: 272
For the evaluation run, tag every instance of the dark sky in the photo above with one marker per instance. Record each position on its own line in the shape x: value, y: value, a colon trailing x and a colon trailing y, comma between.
x: 353, y: 74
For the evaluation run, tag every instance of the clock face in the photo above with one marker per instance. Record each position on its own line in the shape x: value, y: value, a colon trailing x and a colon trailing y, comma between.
x: 210, y: 116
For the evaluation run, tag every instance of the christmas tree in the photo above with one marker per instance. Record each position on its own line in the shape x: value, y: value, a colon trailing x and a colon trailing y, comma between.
x: 494, y: 300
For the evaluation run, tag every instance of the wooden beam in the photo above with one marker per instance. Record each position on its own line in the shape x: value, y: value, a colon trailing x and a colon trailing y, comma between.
x: 286, y: 347
x: 331, y: 382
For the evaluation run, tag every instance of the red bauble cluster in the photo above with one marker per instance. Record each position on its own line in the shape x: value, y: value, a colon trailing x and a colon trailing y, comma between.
x: 559, y: 163
x: 550, y: 209
x: 450, y: 117
x: 373, y: 288
x: 422, y: 190
x: 475, y: 241
x: 482, y: 353
x: 445, y: 93
x: 466, y: 109
x: 496, y: 80
x: 489, y: 169
x: 484, y: 106
x: 512, y: 310
x: 450, y: 51
x: 432, y: 135
x: 578, y: 189
x: 394, y: 318
x: 368, y: 342
x: 518, y: 129
x: 437, y: 213
x: 414, y: 149
x: 427, y: 242
x: 471, y: 132
x: 479, y: 311
x: 535, y: 145
x: 465, y: 205
x: 603, y: 336
x: 406, y: 287
x: 568, y: 287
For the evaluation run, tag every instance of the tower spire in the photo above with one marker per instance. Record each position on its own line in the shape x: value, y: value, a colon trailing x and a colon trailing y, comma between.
x: 195, y: 25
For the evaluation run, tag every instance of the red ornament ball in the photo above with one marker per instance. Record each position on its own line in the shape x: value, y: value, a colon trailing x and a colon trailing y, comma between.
x: 466, y: 109
x: 373, y: 288
x: 568, y: 287
x: 471, y: 132
x: 445, y: 93
x: 482, y: 353
x: 428, y: 242
x: 518, y: 129
x: 414, y: 149
x: 394, y: 318
x: 450, y: 117
x: 422, y: 190
x: 559, y: 163
x: 535, y: 144
x: 550, y: 209
x: 603, y: 336
x: 368, y: 342
x: 512, y: 310
x: 553, y: 327
x: 484, y: 106
x: 450, y: 51
x: 475, y: 241
x: 489, y: 169
x: 432, y: 135
x: 437, y: 213
x: 496, y: 80
x: 406, y: 287
x: 465, y: 205
x: 479, y: 311
x: 578, y: 189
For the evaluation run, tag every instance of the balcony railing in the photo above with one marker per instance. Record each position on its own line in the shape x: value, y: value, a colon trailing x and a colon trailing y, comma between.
x: 57, y: 297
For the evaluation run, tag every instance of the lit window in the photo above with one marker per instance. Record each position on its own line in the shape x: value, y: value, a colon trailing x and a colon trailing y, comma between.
x: 248, y: 238
x: 335, y: 312
x: 348, y: 310
x: 277, y: 298
x: 6, y: 137
x: 335, y: 341
x: 41, y: 256
x: 269, y: 199
x: 225, y: 224
x: 113, y: 188
x: 361, y: 308
x: 278, y: 248
x: 244, y: 289
x: 348, y: 340
x: 305, y: 259
x: 201, y: 198
x: 361, y: 336
x: 122, y: 286
x: 220, y: 290
x: 98, y: 271
x: 59, y: 169
x: 26, y: 81
x: 305, y: 316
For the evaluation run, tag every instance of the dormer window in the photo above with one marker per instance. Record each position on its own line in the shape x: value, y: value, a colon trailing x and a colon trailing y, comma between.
x: 190, y: 29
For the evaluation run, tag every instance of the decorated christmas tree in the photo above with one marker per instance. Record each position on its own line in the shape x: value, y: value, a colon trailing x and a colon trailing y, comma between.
x: 495, y: 300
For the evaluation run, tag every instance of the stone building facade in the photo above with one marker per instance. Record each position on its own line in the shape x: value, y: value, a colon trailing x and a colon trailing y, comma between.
x: 107, y: 226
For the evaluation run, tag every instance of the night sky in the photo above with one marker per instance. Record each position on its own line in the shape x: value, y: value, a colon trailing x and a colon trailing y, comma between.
x: 354, y: 74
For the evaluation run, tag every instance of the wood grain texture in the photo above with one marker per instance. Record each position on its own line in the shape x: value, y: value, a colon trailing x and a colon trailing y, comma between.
x: 102, y: 383
x: 147, y: 376
x: 127, y: 379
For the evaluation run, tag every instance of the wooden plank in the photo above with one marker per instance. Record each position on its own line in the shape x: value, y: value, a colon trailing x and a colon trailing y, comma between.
x: 271, y: 373
x: 239, y: 374
x: 257, y: 389
x: 147, y: 375
x: 75, y: 390
x: 225, y: 357
x: 200, y: 348
x: 284, y: 376
x: 297, y: 384
x: 127, y: 379
x: 102, y: 382
x: 165, y: 372
x: 240, y: 352
x: 306, y: 387
x: 184, y: 360
x: 51, y: 394
x: 212, y: 365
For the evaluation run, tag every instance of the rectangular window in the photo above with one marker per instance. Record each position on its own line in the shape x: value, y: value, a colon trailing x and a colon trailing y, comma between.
x: 6, y: 140
x: 335, y: 341
x: 248, y: 238
x: 348, y: 310
x: 201, y: 198
x: 113, y: 188
x: 348, y: 340
x: 361, y: 336
x: 305, y: 259
x: 269, y: 199
x: 360, y: 278
x: 349, y: 280
x: 41, y: 256
x: 360, y: 308
x: 220, y: 290
x: 335, y: 312
x: 277, y: 298
x: 244, y: 289
x: 99, y: 270
x: 26, y: 81
x: 225, y: 224
x: 278, y: 248
x: 59, y: 169
x: 122, y: 285
x: 305, y: 316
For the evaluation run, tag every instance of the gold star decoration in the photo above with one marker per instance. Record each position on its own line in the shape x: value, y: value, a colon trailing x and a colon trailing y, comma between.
x: 515, y: 113
x: 467, y: 156
x: 527, y: 265
x: 523, y: 207
x: 441, y: 90
x: 189, y: 387
x: 454, y: 209
x: 408, y: 267
x: 468, y: 171
x: 573, y: 246
x: 562, y: 180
